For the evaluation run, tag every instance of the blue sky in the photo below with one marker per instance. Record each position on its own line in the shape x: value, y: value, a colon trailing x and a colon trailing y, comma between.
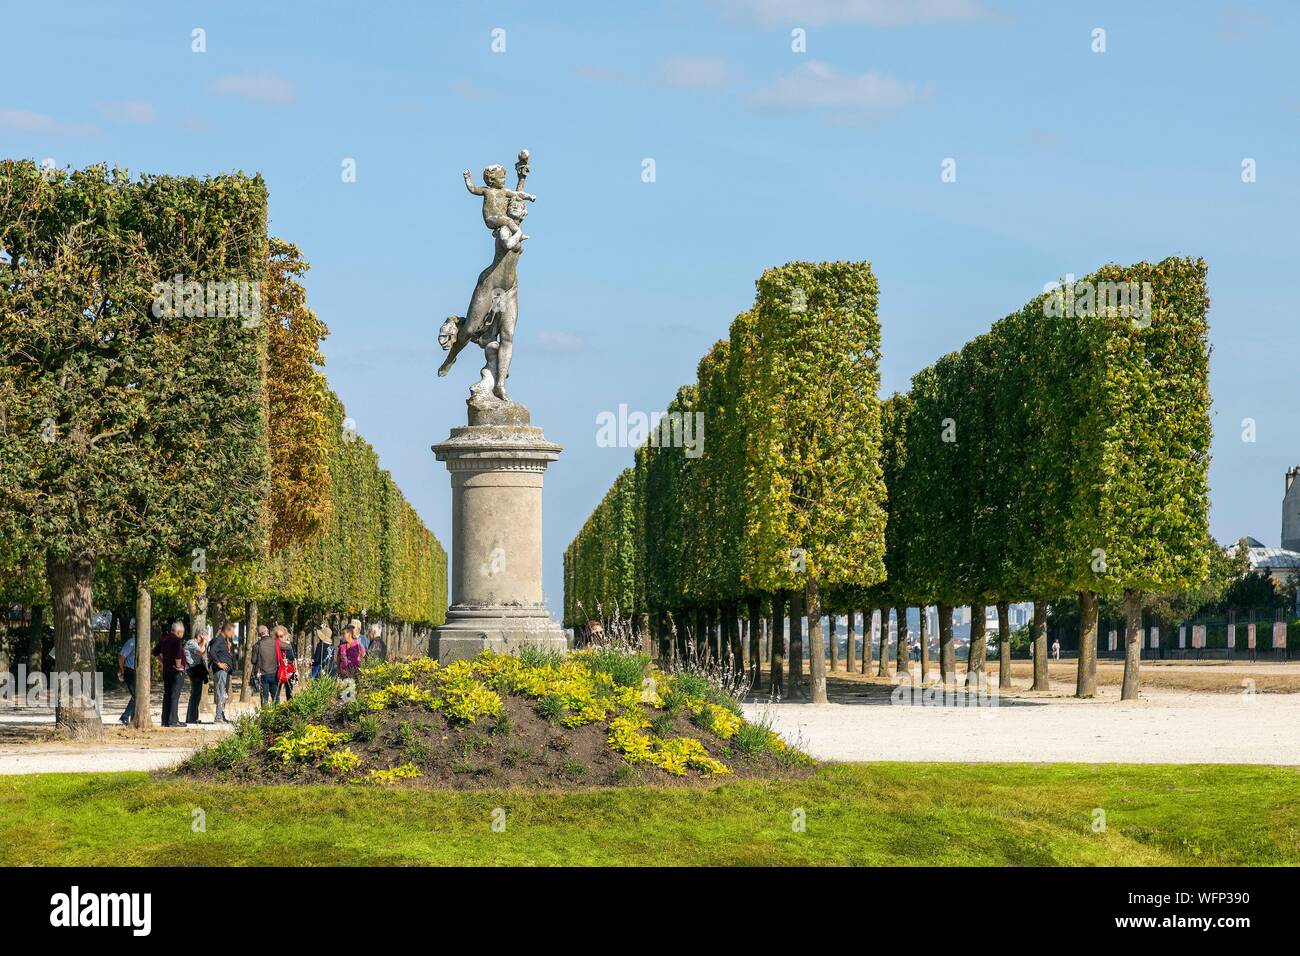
x: 1066, y: 159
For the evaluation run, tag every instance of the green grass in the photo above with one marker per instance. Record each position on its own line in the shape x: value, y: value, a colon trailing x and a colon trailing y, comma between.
x: 943, y: 814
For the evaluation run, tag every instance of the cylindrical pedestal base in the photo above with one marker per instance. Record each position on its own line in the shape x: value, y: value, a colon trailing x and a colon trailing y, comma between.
x: 496, y: 549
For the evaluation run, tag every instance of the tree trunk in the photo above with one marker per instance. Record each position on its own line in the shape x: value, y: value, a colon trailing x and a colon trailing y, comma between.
x: 665, y: 641
x: 199, y: 613
x: 1086, y: 679
x: 816, y: 649
x: 1132, y: 644
x: 850, y: 654
x: 216, y: 613
x: 776, y: 657
x: 947, y: 652
x: 734, y: 652
x: 250, y: 638
x: 716, y: 652
x: 884, y: 643
x: 1041, y: 679
x: 795, y: 683
x: 755, y: 640
x: 978, y: 637
x: 77, y: 714
x: 832, y: 644
x: 925, y: 644
x: 36, y: 639
x: 947, y: 656
x: 903, y: 649
x: 1004, y: 644
x: 866, y: 639
x: 140, y: 718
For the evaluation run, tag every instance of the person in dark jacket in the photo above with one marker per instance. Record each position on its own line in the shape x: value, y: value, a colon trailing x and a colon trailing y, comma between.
x: 265, y: 664
x: 172, y: 651
x: 221, y: 662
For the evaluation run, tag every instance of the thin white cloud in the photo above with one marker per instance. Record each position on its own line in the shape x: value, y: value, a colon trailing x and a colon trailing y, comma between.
x: 816, y: 86
x: 39, y: 123
x: 695, y: 73
x: 560, y: 342
x: 266, y: 87
x: 129, y: 111
x: 872, y: 13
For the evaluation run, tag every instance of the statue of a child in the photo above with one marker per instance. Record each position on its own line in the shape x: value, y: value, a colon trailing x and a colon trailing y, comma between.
x: 496, y: 204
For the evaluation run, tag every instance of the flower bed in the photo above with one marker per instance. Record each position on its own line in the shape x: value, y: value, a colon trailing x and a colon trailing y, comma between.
x: 593, y: 718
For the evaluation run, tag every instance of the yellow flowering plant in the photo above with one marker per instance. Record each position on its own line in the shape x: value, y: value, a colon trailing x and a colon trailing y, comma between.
x: 341, y: 762
x: 313, y: 740
x: 587, y: 687
x: 406, y: 771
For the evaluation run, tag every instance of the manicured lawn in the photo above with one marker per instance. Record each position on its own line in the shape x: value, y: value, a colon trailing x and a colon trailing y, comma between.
x: 1006, y: 814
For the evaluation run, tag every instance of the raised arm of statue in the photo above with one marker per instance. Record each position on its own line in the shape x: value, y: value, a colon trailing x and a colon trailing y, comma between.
x: 469, y: 184
x: 522, y: 170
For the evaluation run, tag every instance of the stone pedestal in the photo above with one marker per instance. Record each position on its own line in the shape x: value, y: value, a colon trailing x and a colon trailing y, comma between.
x: 496, y: 462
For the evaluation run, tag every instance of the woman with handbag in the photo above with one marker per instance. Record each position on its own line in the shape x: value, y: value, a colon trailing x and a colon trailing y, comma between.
x: 196, y: 666
x: 285, y: 658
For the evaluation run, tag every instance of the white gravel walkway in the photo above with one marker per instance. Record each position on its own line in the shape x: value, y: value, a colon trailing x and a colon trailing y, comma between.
x: 1164, y: 727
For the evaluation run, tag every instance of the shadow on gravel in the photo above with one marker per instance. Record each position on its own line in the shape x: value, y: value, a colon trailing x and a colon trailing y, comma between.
x: 840, y: 691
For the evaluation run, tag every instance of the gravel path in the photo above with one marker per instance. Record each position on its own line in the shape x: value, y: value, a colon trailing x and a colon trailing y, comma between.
x: 79, y: 758
x: 26, y: 745
x: 1164, y: 727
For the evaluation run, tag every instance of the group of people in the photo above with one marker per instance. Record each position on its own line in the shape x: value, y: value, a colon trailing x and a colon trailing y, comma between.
x: 205, y: 658
x: 345, y: 660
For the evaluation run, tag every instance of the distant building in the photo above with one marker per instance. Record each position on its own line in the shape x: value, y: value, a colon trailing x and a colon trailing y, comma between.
x: 1291, y: 512
x: 1281, y: 563
x: 1278, y: 563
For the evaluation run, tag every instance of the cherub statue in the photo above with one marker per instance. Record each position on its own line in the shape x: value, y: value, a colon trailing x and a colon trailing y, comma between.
x: 489, y: 322
x: 497, y: 200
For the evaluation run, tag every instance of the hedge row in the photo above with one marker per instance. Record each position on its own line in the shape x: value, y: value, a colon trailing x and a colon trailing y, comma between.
x: 1064, y: 452
x: 134, y: 437
x: 374, y: 554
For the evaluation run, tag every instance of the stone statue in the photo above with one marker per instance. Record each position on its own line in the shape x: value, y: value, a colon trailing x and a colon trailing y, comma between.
x: 496, y: 461
x: 489, y: 322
